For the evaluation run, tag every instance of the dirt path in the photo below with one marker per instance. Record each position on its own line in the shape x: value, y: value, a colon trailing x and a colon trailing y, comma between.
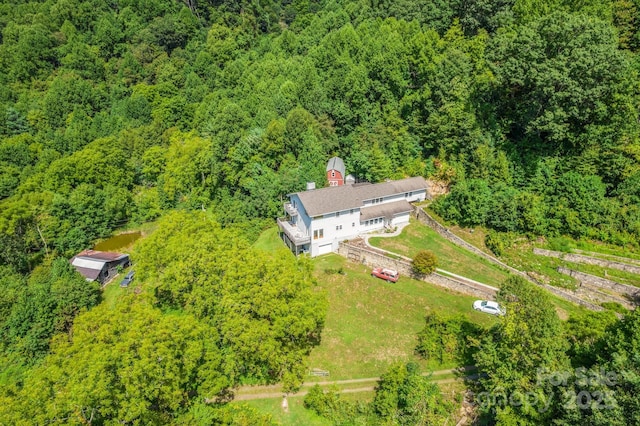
x: 246, y: 393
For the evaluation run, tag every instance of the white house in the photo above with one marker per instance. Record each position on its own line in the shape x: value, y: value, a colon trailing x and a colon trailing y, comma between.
x: 317, y: 220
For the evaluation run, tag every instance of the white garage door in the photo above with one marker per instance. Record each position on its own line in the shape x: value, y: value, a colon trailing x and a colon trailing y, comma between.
x: 324, y: 249
x: 403, y: 218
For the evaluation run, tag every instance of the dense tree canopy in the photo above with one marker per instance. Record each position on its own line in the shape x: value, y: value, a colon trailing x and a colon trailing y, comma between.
x: 265, y: 308
x: 512, y: 355
x: 121, y: 112
x: 133, y: 108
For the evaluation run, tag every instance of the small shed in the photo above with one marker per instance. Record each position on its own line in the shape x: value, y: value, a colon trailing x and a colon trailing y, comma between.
x: 99, y: 265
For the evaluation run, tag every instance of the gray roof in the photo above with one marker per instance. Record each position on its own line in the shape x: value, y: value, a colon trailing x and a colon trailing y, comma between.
x: 387, y: 210
x: 88, y: 273
x: 87, y: 263
x: 336, y: 163
x: 337, y: 198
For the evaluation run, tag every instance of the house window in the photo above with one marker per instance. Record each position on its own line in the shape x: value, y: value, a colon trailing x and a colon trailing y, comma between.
x: 351, y: 211
x: 339, y: 227
x: 353, y: 224
x: 321, y: 233
x: 337, y: 214
x: 333, y: 173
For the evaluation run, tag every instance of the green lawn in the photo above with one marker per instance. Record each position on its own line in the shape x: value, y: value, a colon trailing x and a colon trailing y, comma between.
x: 269, y: 240
x: 371, y: 323
x: 112, y: 292
x: 417, y: 236
x: 297, y: 415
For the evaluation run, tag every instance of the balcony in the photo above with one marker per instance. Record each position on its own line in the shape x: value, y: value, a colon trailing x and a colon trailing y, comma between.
x: 292, y: 231
x: 291, y: 211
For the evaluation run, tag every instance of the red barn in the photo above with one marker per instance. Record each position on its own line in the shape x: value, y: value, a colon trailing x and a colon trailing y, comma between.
x: 335, y: 171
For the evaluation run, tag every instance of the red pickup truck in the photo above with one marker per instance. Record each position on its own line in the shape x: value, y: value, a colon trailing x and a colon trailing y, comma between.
x: 386, y: 274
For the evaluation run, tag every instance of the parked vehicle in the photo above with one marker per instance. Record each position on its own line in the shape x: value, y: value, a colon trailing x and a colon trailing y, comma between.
x: 127, y: 279
x: 386, y: 274
x: 488, y: 307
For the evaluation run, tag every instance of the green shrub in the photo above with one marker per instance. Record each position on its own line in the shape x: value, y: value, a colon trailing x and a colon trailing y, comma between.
x: 563, y: 244
x: 497, y: 242
x: 424, y: 263
x: 615, y: 307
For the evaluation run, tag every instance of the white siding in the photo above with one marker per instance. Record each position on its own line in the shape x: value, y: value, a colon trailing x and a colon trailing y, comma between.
x: 372, y: 225
x: 400, y: 219
x: 325, y: 249
x: 338, y: 227
x: 346, y: 224
x: 302, y: 221
x: 417, y: 196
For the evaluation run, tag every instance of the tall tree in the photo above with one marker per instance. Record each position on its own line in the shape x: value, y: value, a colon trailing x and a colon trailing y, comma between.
x: 561, y: 81
x: 264, y: 307
x: 512, y: 354
x: 128, y: 364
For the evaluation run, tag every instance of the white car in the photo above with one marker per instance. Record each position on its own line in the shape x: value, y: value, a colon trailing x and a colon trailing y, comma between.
x: 488, y: 307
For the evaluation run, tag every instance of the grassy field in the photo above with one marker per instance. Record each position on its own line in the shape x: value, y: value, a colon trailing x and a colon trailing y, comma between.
x: 269, y: 241
x: 417, y: 236
x: 112, y: 292
x: 298, y: 415
x: 371, y: 323
x: 521, y: 257
x: 474, y: 236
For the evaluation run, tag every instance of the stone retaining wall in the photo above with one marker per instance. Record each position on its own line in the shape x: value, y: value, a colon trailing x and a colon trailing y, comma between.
x: 579, y: 258
x: 599, y: 296
x: 425, y: 218
x: 571, y: 296
x: 374, y: 259
x: 592, y: 280
x: 608, y: 256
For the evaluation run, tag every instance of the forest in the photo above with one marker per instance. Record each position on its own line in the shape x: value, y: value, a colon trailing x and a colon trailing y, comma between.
x: 203, y: 114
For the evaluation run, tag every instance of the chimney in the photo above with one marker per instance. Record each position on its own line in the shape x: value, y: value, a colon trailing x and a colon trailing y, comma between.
x: 311, y: 185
